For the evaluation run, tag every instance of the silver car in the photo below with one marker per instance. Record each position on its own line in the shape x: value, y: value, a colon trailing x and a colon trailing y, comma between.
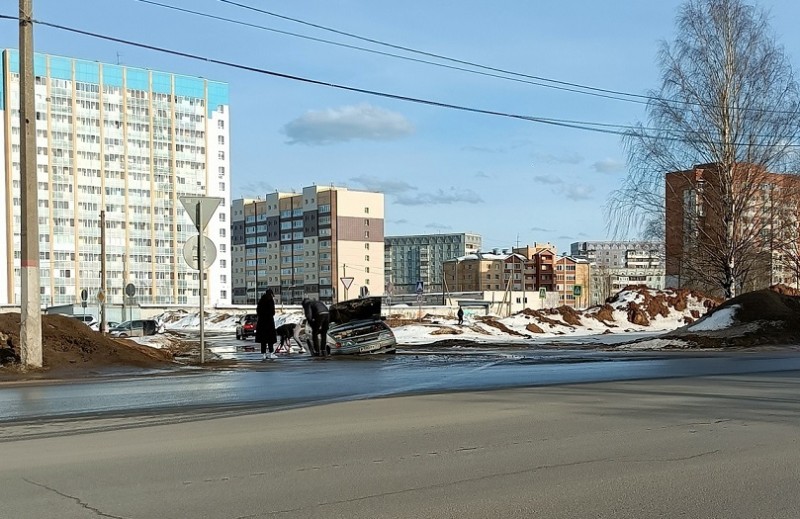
x: 357, y: 328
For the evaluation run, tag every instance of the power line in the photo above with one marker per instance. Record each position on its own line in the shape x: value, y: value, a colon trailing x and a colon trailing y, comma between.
x: 605, y: 128
x: 532, y: 81
x: 637, y: 98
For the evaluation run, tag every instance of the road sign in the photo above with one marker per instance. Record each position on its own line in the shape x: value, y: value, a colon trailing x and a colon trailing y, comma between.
x: 346, y: 282
x: 542, y: 293
x: 101, y: 296
x: 205, y: 205
x: 191, y: 253
x: 576, y: 290
x: 84, y: 295
x: 130, y: 290
x: 420, y: 287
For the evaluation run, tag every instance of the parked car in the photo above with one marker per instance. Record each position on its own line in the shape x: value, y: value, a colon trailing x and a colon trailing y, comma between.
x: 87, y: 319
x: 357, y: 328
x: 246, y: 326
x: 110, y: 324
x: 135, y: 328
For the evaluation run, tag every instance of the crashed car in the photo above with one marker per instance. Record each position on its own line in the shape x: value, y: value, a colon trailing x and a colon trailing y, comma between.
x: 357, y: 328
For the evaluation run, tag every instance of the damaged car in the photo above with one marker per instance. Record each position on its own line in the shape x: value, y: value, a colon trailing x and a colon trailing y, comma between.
x: 357, y: 328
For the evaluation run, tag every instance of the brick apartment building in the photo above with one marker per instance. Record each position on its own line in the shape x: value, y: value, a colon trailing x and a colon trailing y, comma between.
x: 767, y: 207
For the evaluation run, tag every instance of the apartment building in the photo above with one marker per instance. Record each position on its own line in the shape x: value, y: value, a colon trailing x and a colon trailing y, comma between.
x: 766, y: 208
x: 482, y: 271
x: 618, y: 264
x: 572, y: 278
x: 324, y: 243
x: 129, y: 142
x: 239, y: 293
x: 540, y: 265
x: 413, y: 258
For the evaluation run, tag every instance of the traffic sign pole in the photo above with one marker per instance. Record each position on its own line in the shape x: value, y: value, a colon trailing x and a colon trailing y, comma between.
x: 201, y: 266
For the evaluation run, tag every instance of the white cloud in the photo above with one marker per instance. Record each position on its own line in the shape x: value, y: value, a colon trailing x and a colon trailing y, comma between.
x: 440, y: 196
x: 560, y: 158
x: 577, y: 192
x: 252, y: 189
x: 608, y: 166
x: 347, y: 123
x: 439, y: 226
x: 540, y: 229
x: 547, y: 179
x: 382, y: 185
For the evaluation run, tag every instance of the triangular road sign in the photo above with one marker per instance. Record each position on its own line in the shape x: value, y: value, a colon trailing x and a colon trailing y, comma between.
x: 207, y: 206
x: 346, y: 282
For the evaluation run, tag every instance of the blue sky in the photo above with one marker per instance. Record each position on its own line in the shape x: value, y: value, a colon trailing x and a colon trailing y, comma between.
x: 442, y: 170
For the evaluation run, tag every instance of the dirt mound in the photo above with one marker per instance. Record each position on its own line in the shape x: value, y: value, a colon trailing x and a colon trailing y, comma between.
x: 785, y: 290
x: 605, y: 314
x: 569, y: 315
x: 759, y: 318
x: 69, y: 344
x: 531, y: 327
x: 490, y: 321
x: 540, y: 316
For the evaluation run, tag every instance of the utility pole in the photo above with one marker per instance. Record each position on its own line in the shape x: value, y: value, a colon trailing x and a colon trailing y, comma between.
x: 30, y: 308
x: 102, y: 296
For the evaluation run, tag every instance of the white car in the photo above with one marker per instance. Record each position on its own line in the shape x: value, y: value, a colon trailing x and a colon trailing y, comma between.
x: 357, y: 328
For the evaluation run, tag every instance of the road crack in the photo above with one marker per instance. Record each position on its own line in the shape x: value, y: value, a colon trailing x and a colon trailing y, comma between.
x: 78, y: 500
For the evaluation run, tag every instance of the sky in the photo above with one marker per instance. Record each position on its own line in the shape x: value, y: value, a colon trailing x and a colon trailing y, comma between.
x: 443, y: 170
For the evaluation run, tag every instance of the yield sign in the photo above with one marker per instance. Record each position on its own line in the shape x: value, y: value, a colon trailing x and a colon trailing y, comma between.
x: 346, y: 282
x: 200, y: 209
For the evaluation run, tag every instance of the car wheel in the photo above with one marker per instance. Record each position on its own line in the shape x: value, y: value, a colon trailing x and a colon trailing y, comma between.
x: 123, y: 335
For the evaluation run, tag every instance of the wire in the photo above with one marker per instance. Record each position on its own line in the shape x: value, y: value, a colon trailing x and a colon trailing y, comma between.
x: 538, y: 81
x: 638, y: 98
x: 604, y: 128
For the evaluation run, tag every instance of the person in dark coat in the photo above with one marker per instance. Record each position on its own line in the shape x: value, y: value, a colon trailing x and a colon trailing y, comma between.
x: 265, y: 329
x: 318, y: 319
x: 286, y: 332
x: 460, y: 315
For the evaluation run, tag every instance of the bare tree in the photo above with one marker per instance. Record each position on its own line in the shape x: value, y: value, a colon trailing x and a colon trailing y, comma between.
x: 729, y: 100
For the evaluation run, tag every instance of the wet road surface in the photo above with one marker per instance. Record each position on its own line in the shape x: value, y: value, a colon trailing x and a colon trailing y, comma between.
x: 298, y: 380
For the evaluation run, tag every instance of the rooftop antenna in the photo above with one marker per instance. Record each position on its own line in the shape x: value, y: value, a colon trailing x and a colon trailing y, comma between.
x: 119, y: 60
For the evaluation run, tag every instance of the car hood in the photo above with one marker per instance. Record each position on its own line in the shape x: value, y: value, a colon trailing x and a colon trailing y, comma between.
x: 356, y: 310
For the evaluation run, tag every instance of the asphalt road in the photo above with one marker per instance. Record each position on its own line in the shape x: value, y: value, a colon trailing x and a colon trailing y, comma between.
x: 701, y: 447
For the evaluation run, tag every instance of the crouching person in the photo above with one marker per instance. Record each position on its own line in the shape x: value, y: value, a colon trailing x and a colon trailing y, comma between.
x: 318, y: 320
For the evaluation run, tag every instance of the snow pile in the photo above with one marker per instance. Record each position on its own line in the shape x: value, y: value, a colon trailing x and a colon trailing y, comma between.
x: 719, y: 320
x: 635, y: 309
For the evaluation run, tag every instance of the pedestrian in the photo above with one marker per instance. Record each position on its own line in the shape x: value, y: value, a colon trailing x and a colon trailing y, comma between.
x: 318, y: 319
x: 286, y: 332
x: 460, y: 315
x: 265, y: 329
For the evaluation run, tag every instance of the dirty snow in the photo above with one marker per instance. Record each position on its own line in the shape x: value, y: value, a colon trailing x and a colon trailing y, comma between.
x: 719, y: 320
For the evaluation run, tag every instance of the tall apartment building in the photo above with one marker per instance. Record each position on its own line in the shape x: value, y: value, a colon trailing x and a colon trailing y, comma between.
x: 240, y: 295
x: 484, y: 271
x: 618, y: 264
x: 129, y: 142
x: 421, y: 257
x: 539, y: 265
x: 325, y: 243
x: 766, y: 215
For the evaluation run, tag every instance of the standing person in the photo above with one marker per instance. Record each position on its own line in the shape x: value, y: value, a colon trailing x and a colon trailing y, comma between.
x: 318, y: 319
x: 265, y: 329
x: 460, y: 315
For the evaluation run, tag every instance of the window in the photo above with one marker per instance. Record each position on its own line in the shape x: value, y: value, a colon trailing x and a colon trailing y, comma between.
x: 366, y: 210
x: 221, y: 124
x: 366, y: 234
x: 222, y: 186
x: 221, y: 155
x: 221, y: 139
x: 366, y: 245
x: 222, y: 233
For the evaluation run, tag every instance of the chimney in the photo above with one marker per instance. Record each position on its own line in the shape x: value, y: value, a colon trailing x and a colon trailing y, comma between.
x: 495, y: 251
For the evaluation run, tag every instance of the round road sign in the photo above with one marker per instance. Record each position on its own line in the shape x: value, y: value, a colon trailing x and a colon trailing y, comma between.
x: 130, y: 290
x: 84, y: 295
x: 190, y: 252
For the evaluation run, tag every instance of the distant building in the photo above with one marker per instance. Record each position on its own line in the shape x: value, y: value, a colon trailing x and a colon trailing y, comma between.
x: 515, y: 272
x: 766, y: 221
x: 129, y: 142
x: 421, y: 257
x: 239, y: 254
x: 325, y: 243
x: 618, y: 264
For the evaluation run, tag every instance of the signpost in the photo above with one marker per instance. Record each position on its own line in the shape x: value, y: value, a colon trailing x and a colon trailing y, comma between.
x: 84, y: 299
x: 130, y: 292
x: 200, y: 210
x: 346, y: 281
x: 420, y: 289
x: 542, y: 293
